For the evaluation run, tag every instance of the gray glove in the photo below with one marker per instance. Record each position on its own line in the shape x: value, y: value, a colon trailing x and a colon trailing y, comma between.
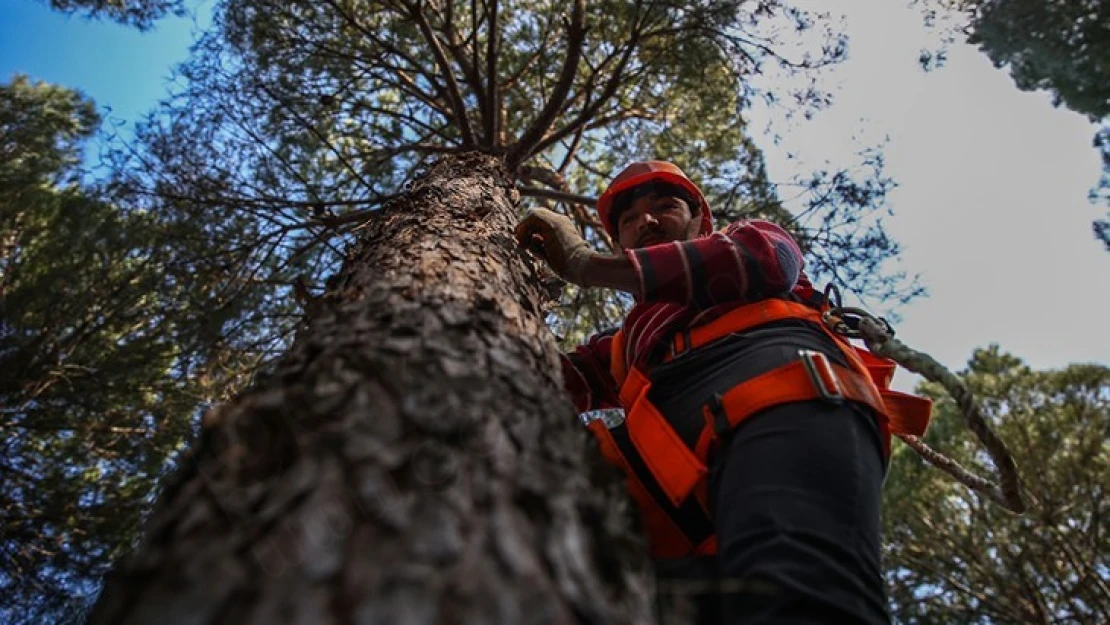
x: 554, y: 238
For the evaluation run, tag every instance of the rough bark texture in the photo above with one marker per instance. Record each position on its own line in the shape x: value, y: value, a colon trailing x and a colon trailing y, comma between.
x: 412, y: 460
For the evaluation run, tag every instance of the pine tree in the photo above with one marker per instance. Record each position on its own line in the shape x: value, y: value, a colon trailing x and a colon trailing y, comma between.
x: 953, y: 557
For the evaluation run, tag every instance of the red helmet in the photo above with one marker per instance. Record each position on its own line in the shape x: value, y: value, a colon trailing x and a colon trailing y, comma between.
x: 648, y: 171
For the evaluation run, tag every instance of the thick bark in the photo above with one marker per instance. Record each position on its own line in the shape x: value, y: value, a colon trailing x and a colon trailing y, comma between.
x: 412, y: 460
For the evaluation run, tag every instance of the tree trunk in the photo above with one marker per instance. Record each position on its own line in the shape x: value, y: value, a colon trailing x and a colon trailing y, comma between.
x: 413, y: 458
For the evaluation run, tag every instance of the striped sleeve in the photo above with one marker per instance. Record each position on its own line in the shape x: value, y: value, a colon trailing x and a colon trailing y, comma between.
x: 586, y: 375
x: 751, y: 260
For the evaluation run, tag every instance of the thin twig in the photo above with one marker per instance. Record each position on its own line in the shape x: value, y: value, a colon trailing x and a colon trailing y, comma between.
x: 561, y: 196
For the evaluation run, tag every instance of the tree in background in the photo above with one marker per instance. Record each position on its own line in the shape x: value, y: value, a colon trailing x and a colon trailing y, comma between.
x: 1102, y: 191
x: 1061, y: 46
x: 140, y: 14
x: 952, y: 557
x: 107, y: 354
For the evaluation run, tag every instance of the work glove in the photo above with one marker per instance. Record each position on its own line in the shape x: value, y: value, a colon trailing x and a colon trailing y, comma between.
x: 554, y: 238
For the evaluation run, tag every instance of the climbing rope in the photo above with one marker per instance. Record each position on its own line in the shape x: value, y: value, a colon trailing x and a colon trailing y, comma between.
x: 878, y: 335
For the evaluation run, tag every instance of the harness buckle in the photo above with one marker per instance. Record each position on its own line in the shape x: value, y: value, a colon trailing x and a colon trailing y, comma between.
x: 822, y: 375
x: 680, y: 344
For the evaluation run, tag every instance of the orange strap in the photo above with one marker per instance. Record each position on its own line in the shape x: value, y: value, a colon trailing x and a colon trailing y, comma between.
x: 813, y: 377
x: 634, y: 384
x: 676, y: 468
x: 666, y: 538
x: 617, y: 365
x: 740, y: 319
x: 881, y: 369
x: 674, y: 465
x: 908, y: 414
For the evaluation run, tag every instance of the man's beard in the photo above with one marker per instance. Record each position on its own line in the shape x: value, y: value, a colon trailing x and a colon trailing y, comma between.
x: 652, y: 238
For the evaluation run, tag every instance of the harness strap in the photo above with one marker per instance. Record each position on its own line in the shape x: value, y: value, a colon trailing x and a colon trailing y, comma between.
x: 635, y: 383
x: 676, y: 531
x: 673, y: 464
x: 740, y: 319
x: 812, y: 377
x: 908, y: 414
x: 664, y: 470
x: 881, y: 369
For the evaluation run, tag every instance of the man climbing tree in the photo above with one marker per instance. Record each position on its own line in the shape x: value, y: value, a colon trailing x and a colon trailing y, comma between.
x: 755, y: 440
x: 412, y: 458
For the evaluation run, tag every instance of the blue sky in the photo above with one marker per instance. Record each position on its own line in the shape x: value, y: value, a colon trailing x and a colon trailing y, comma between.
x: 123, y: 70
x: 991, y: 206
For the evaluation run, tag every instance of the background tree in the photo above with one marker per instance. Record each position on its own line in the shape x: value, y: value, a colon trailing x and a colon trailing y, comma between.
x: 1102, y: 191
x: 138, y: 13
x: 107, y: 355
x: 952, y: 557
x: 1060, y: 46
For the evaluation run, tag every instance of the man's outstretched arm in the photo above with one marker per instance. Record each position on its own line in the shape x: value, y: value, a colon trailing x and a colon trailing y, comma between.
x: 749, y: 261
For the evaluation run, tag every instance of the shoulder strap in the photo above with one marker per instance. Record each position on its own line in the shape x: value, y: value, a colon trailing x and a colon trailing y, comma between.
x: 618, y: 367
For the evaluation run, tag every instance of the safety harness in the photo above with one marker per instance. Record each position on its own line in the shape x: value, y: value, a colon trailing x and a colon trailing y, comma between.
x: 668, y: 472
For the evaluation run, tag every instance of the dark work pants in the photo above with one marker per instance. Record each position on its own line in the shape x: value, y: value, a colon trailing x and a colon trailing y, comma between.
x: 795, y: 494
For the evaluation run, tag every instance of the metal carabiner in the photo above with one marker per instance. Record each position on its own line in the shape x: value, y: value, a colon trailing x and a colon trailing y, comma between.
x: 845, y: 320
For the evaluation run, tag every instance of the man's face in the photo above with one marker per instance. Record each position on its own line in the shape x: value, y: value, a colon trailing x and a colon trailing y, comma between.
x: 655, y: 219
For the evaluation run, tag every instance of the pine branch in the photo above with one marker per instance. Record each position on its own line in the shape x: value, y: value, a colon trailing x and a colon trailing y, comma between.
x: 530, y: 141
x: 458, y: 107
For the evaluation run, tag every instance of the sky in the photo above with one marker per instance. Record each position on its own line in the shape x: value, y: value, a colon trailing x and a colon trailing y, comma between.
x: 991, y: 205
x: 123, y: 70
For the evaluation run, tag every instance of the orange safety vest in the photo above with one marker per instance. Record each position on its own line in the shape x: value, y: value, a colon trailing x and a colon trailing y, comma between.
x: 668, y: 476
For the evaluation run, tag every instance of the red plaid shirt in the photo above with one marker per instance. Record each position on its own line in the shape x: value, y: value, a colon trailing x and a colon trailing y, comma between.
x: 685, y: 283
